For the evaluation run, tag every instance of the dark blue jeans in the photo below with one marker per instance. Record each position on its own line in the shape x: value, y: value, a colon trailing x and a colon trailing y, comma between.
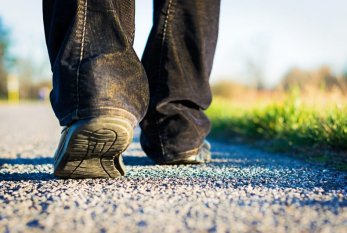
x: 97, y: 73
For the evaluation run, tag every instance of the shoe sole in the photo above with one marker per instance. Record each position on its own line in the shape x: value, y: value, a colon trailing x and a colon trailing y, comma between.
x: 94, y: 149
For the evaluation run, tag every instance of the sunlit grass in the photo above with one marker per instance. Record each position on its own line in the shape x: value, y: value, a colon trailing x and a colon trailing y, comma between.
x: 287, y: 124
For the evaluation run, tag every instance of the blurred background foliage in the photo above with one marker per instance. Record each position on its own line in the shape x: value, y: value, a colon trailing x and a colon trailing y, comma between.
x: 28, y: 75
x: 305, y: 115
x: 4, y: 58
x: 33, y: 82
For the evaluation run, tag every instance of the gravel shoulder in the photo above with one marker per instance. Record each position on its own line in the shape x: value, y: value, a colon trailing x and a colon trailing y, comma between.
x: 241, y: 190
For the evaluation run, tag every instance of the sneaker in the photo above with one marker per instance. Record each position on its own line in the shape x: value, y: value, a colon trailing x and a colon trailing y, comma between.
x: 92, y: 148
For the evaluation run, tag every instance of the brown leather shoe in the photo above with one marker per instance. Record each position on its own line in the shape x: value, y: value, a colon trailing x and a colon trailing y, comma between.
x: 92, y: 148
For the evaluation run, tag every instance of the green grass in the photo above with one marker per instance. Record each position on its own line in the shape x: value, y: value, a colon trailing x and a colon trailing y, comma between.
x: 313, y: 133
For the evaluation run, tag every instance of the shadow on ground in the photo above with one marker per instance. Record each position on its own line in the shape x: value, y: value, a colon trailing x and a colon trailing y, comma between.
x: 232, y: 167
x: 36, y: 174
x: 26, y: 161
x: 33, y: 174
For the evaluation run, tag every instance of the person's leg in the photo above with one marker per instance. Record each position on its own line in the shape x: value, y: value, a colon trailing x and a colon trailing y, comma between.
x: 178, y: 60
x: 96, y: 77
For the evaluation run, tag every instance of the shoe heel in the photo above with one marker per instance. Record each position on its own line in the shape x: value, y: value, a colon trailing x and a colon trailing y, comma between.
x: 94, y: 149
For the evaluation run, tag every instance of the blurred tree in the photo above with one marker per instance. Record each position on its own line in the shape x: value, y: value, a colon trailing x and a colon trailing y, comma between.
x: 344, y: 75
x: 255, y: 58
x: 31, y: 78
x: 5, y: 59
x: 256, y: 73
x: 229, y: 89
x: 320, y: 79
x: 295, y: 78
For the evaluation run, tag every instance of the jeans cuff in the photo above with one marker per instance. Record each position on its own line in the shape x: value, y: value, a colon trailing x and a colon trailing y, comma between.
x: 97, y: 112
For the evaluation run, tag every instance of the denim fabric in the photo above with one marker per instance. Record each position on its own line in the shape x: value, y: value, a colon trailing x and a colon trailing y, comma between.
x: 96, y: 71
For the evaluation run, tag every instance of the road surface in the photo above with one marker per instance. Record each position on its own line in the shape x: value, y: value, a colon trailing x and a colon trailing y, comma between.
x: 242, y: 190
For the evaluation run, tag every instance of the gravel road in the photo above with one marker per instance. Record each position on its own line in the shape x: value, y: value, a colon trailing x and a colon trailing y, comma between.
x: 242, y: 190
